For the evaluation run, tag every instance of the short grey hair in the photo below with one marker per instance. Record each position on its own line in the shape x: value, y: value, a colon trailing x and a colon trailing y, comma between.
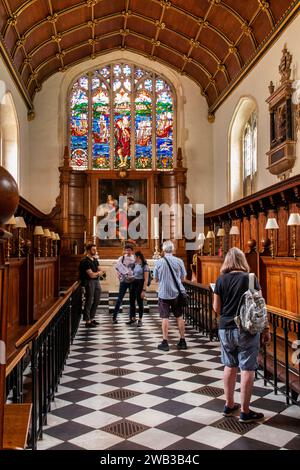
x: 168, y: 246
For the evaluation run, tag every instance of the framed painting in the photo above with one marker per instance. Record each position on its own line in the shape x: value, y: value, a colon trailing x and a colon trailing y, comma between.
x: 118, y: 201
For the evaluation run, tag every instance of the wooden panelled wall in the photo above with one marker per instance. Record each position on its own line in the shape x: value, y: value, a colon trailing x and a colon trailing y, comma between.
x: 32, y: 282
x: 279, y: 276
x: 80, y: 196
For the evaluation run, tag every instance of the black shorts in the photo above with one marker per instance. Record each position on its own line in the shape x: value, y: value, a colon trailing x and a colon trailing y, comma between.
x: 166, y: 306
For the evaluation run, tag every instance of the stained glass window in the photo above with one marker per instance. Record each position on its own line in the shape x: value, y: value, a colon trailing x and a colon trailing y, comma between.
x: 122, y: 116
x: 143, y: 126
x: 249, y: 153
x: 164, y: 126
x: 79, y: 124
x: 100, y: 124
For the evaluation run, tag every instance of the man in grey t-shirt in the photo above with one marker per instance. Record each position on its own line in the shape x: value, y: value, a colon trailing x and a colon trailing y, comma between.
x: 168, y: 293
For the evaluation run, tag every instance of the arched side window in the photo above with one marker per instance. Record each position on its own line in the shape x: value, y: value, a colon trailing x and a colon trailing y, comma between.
x: 243, y: 150
x: 249, y: 154
x: 122, y: 116
x: 9, y: 136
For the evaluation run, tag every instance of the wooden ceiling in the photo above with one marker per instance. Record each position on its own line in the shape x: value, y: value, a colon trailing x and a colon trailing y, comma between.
x: 214, y: 42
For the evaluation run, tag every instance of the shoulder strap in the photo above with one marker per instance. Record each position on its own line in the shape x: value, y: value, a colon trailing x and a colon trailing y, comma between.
x: 173, y: 275
x: 251, y: 282
x: 122, y: 259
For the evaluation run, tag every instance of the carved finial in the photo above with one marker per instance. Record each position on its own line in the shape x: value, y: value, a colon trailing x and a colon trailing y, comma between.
x: 271, y: 87
x: 285, y: 69
x: 66, y: 157
x: 179, y: 157
x: 31, y: 115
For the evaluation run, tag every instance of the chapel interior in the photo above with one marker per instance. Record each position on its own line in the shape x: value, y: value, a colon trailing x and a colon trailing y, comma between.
x: 183, y: 103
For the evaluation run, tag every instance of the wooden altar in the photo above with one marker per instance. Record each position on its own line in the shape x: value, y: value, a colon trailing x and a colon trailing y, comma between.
x: 81, y: 192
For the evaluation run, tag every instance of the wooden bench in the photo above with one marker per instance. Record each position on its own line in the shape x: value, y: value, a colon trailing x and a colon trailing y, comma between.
x: 16, y: 425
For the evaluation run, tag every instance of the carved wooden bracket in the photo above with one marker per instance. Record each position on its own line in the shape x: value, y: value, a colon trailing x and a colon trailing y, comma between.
x: 282, y: 153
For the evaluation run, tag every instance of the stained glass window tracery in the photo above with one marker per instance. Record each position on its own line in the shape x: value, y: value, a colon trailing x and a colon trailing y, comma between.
x: 249, y: 153
x: 121, y: 116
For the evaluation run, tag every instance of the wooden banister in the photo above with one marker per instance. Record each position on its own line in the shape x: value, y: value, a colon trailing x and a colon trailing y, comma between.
x: 284, y: 313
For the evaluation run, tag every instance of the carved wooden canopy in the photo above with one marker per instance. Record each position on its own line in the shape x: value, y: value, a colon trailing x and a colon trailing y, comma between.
x: 214, y: 42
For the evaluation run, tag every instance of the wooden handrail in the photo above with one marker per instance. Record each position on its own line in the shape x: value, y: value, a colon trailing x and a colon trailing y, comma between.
x: 44, y: 321
x: 278, y: 311
x: 284, y: 313
x: 196, y: 284
x: 290, y: 183
x: 17, y: 358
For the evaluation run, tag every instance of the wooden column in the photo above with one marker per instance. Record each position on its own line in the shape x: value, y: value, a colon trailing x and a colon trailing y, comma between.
x: 3, y: 336
x: 64, y: 196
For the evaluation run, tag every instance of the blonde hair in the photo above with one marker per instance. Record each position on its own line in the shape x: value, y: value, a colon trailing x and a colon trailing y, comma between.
x: 235, y: 260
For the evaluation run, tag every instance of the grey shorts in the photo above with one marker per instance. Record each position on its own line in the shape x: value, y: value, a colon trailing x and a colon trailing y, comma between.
x: 166, y: 306
x: 239, y: 349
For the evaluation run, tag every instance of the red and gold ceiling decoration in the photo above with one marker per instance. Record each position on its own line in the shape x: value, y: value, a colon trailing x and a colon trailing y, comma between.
x: 214, y: 42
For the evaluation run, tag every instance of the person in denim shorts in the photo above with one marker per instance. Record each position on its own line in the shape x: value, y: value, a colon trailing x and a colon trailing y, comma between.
x: 168, y: 293
x: 239, y: 349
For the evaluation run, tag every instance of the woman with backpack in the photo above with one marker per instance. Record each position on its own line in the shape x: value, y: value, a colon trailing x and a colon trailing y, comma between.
x: 141, y: 275
x: 239, y: 348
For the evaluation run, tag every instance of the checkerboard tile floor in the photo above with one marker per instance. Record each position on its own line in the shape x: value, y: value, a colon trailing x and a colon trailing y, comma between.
x: 118, y: 391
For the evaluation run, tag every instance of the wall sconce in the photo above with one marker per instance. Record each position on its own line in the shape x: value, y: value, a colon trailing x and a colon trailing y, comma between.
x: 221, y: 234
x: 47, y: 235
x: 234, y: 232
x: 38, y: 232
x: 20, y: 223
x: 10, y: 224
x: 272, y: 225
x: 210, y: 235
x: 201, y: 238
x: 294, y: 220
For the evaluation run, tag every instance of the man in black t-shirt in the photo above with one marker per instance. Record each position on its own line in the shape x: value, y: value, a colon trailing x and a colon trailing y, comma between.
x: 89, y: 275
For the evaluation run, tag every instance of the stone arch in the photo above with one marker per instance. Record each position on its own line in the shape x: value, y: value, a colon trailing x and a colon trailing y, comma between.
x: 9, y: 135
x: 245, y: 107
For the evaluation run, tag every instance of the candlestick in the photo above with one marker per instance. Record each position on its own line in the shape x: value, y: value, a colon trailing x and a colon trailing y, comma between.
x: 156, y: 254
x: 84, y: 237
x: 94, y: 226
x: 156, y: 228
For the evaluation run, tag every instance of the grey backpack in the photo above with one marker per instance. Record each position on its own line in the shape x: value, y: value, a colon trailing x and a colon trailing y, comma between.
x: 252, y: 312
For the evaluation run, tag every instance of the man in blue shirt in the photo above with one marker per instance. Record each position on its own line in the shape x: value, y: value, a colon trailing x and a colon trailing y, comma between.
x: 168, y: 293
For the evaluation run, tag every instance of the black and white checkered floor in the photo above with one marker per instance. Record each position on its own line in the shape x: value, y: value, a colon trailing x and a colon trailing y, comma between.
x: 118, y: 391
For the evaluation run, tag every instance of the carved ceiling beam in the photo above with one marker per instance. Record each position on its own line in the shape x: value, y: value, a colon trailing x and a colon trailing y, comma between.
x: 194, y: 42
x: 245, y: 69
x: 116, y: 48
x: 12, y: 22
x: 265, y: 8
x: 108, y: 17
x: 165, y: 4
x: 20, y: 85
x: 125, y: 15
x: 113, y: 33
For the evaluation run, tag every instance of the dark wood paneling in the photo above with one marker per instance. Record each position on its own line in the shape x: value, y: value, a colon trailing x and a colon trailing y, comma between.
x: 45, y: 284
x: 208, y: 269
x: 280, y: 278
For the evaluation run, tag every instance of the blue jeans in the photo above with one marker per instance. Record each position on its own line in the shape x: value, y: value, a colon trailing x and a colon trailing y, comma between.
x: 135, y: 296
x: 239, y: 349
x: 122, y: 291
